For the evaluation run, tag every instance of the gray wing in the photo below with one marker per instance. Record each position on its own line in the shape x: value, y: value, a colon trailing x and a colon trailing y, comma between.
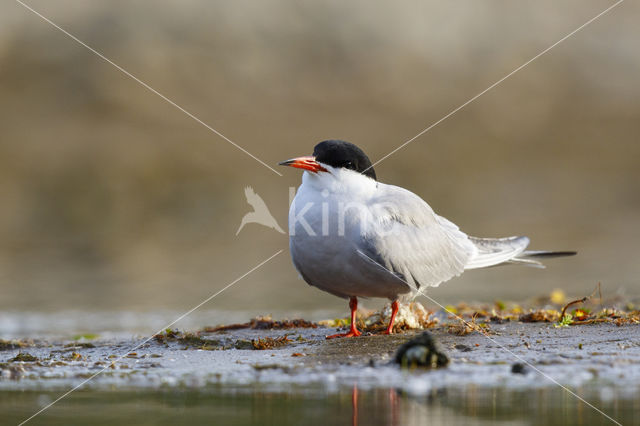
x: 406, y: 237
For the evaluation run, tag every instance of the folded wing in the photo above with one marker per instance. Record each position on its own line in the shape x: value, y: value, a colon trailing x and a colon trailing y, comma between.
x: 413, y: 242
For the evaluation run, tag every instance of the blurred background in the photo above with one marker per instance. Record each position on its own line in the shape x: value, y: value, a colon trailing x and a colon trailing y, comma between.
x: 113, y: 200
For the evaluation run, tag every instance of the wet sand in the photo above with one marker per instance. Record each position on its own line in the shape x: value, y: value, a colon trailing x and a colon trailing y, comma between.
x: 599, y: 362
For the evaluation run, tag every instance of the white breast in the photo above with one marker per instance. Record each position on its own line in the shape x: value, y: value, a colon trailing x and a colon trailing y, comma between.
x: 326, y: 223
x: 353, y: 236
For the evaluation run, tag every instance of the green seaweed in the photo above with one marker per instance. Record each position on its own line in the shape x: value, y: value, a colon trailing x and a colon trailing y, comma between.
x: 566, y: 321
x: 24, y: 357
x: 85, y: 336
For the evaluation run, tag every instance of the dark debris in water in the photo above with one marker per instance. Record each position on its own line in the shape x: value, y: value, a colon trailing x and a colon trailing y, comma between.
x: 519, y: 368
x: 423, y: 352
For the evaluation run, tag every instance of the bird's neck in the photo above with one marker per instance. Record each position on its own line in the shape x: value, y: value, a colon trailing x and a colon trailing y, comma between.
x: 339, y: 180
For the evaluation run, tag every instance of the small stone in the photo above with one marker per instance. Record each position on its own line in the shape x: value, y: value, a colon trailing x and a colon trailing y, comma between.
x: 463, y: 348
x: 243, y: 344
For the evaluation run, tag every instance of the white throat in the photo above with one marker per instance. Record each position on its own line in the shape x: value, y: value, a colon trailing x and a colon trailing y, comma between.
x: 339, y: 180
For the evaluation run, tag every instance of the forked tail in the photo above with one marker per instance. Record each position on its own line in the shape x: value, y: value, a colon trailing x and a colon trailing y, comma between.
x: 528, y: 257
x: 510, y: 250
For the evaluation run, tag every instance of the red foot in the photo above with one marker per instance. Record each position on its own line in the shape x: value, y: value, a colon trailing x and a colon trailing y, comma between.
x: 394, y: 310
x: 353, y: 332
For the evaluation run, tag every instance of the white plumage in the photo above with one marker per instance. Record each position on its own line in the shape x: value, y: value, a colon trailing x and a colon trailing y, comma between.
x: 353, y: 236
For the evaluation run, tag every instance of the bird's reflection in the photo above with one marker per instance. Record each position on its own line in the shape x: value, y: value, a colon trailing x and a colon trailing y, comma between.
x: 393, y: 401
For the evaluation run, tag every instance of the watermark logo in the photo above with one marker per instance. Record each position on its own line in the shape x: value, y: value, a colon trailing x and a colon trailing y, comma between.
x: 260, y: 214
x: 326, y: 217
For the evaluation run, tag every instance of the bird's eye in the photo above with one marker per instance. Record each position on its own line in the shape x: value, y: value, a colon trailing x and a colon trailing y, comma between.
x: 348, y: 165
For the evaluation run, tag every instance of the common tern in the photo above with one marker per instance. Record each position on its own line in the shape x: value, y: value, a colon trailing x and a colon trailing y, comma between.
x: 353, y: 236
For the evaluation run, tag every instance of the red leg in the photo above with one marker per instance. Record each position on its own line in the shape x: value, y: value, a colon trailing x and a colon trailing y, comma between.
x: 393, y: 402
x: 394, y: 311
x: 354, y: 406
x: 353, y: 332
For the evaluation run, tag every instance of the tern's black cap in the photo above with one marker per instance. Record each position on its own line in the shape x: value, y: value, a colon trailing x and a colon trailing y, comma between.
x: 337, y: 153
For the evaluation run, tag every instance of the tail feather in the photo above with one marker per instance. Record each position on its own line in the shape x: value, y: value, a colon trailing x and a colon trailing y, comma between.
x: 495, y: 251
x: 527, y: 258
x: 547, y: 254
x: 510, y: 250
x: 524, y: 262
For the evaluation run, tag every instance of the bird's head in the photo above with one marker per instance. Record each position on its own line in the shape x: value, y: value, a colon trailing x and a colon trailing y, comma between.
x: 334, y: 154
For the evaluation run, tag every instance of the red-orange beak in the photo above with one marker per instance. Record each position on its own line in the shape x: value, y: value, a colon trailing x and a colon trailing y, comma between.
x: 306, y: 163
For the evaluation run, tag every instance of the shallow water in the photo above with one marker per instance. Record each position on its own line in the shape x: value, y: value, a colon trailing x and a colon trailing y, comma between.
x: 252, y: 406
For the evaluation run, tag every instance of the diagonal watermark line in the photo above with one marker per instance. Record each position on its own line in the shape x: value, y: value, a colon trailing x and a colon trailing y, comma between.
x: 496, y: 83
x: 146, y: 86
x: 518, y: 357
x: 46, y: 407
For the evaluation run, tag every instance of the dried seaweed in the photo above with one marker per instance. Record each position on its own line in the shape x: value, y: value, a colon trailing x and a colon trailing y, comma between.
x: 270, y: 343
x: 189, y: 340
x: 462, y: 327
x: 582, y: 300
x: 24, y: 357
x: 13, y: 344
x: 264, y: 323
x: 540, y: 315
